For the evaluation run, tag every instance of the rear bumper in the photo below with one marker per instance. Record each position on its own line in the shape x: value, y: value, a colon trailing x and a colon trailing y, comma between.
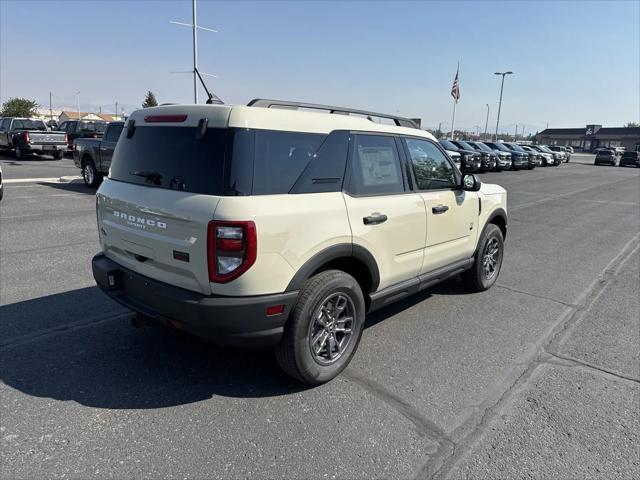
x: 46, y: 147
x: 236, y: 321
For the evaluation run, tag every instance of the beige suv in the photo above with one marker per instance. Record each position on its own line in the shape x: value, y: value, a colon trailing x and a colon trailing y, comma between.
x: 281, y: 224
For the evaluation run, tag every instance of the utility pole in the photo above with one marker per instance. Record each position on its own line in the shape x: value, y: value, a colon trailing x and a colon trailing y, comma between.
x: 78, y: 101
x: 500, y: 103
x: 439, y: 131
x: 116, y: 112
x: 515, y: 137
x: 486, y: 123
x: 50, y: 108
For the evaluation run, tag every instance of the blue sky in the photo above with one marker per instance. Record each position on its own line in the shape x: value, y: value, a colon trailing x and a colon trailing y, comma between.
x: 575, y: 62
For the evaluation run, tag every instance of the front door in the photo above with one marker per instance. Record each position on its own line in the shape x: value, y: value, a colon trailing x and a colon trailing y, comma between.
x: 386, y: 219
x: 451, y: 213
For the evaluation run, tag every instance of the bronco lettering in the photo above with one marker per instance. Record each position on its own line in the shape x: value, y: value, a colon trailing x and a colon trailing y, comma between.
x: 135, y: 221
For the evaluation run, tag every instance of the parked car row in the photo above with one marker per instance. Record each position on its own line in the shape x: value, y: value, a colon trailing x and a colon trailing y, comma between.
x: 610, y: 157
x: 496, y: 156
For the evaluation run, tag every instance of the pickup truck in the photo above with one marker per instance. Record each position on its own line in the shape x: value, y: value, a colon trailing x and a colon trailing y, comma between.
x: 26, y: 136
x: 93, y: 155
x: 82, y: 129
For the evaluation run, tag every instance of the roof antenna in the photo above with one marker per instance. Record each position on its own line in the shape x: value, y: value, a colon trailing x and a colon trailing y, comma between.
x: 197, y: 75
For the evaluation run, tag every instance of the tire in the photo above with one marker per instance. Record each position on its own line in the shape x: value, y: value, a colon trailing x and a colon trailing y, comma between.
x: 20, y: 153
x: 476, y: 278
x: 90, y: 174
x: 308, y: 321
x: 57, y: 155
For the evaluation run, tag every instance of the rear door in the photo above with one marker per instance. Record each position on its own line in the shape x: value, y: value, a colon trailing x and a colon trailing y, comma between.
x: 386, y: 218
x: 451, y: 213
x: 108, y: 145
x: 165, y: 184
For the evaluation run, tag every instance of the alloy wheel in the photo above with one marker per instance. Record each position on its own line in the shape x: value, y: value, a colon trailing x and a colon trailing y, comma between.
x: 490, y: 258
x: 331, y: 328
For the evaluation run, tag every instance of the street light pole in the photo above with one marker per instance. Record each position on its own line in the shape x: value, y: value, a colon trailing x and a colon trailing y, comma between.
x: 486, y: 123
x: 78, y: 102
x: 500, y: 103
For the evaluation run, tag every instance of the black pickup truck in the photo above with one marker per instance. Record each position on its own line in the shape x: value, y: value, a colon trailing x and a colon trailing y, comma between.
x: 81, y: 129
x: 93, y: 155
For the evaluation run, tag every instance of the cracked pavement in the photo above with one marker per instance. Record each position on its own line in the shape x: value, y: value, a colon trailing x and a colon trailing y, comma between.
x: 537, y: 378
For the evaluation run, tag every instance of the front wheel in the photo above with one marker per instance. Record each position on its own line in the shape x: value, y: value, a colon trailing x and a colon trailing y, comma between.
x: 324, y: 329
x: 90, y: 174
x: 487, y: 260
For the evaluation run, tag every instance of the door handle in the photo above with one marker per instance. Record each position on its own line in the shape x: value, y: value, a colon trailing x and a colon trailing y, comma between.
x: 374, y: 219
x: 439, y: 209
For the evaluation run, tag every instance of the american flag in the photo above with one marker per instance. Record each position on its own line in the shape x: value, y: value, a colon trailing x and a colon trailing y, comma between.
x: 455, y: 88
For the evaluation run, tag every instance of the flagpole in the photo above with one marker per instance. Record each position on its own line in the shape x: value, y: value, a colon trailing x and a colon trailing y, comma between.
x: 453, y: 121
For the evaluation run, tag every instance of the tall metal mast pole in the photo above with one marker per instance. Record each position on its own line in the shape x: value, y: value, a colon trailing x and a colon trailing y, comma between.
x: 195, y: 53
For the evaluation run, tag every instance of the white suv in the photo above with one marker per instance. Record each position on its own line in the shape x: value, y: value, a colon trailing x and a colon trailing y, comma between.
x: 278, y: 225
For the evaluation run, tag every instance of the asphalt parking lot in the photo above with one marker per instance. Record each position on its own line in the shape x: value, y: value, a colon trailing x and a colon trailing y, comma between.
x: 538, y: 377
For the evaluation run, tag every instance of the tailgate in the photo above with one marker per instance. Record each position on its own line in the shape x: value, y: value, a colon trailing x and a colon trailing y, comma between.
x: 158, y: 233
x: 48, y: 138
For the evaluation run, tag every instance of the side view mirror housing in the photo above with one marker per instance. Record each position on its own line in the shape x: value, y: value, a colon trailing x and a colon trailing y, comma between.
x: 470, y: 182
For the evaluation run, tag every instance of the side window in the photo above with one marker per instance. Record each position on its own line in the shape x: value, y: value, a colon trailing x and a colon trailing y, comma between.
x: 112, y: 133
x: 326, y: 169
x: 375, y: 166
x: 280, y: 158
x: 430, y: 166
x: 71, y: 127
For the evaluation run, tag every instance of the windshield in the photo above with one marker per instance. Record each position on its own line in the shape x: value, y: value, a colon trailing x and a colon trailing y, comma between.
x: 482, y: 146
x: 85, y: 126
x: 516, y: 147
x: 500, y: 146
x: 466, y: 146
x: 29, y: 125
x: 545, y: 149
x: 448, y: 145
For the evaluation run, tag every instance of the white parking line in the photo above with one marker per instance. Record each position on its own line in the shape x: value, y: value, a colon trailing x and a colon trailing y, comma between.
x: 43, y: 180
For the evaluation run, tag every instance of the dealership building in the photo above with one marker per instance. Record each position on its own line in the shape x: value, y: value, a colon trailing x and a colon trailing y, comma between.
x: 591, y: 137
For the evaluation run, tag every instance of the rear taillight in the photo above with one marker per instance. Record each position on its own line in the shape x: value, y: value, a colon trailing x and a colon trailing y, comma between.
x: 66, y: 139
x: 25, y: 137
x: 95, y: 135
x: 231, y: 249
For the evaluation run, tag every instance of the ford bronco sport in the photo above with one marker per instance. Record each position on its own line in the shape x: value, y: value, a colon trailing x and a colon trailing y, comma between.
x: 278, y: 225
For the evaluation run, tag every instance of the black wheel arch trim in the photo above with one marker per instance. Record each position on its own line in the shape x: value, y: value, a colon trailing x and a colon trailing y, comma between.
x: 335, y: 252
x: 498, y: 212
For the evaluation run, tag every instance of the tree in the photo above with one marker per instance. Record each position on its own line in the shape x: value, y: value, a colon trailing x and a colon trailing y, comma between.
x: 19, y: 107
x: 632, y: 124
x: 150, y: 100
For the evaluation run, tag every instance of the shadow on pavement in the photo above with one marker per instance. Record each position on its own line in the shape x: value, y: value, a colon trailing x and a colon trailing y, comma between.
x: 77, y: 186
x: 108, y: 364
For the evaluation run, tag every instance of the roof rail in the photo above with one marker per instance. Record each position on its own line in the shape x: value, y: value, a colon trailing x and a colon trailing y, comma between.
x: 264, y: 103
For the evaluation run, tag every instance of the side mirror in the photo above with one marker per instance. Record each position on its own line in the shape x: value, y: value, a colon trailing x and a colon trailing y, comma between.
x: 471, y: 183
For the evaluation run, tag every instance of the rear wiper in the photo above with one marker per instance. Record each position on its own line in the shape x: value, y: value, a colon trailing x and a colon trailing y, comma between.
x: 153, y: 177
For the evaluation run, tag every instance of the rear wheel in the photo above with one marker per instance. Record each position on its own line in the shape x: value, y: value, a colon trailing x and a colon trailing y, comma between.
x: 90, y: 174
x: 487, y: 260
x: 20, y: 153
x: 325, y: 328
x: 57, y: 154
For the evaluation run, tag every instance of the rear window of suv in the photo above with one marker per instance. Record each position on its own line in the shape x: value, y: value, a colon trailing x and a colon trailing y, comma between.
x: 224, y: 162
x: 172, y: 158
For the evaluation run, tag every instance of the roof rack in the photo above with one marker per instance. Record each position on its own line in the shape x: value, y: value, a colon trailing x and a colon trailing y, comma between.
x: 264, y: 103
